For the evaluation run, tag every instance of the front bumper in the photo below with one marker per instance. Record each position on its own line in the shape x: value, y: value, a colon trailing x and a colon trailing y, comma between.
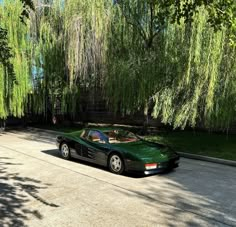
x: 162, y: 167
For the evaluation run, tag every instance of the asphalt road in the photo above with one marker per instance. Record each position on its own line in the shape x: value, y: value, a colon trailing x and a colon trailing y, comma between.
x: 38, y: 188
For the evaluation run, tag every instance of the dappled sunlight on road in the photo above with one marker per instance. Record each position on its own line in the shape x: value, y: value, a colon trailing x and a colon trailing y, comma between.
x: 16, y: 193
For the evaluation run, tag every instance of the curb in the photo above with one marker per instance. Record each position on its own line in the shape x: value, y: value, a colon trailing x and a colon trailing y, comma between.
x: 207, y: 159
x: 182, y: 154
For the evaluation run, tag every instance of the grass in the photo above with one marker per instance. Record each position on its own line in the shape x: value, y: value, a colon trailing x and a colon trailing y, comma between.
x: 200, y: 143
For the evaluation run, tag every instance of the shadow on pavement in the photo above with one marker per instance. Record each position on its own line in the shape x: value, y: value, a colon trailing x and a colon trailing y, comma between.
x: 33, y: 135
x: 15, y: 193
x: 56, y: 153
x: 196, y: 196
x: 198, y: 192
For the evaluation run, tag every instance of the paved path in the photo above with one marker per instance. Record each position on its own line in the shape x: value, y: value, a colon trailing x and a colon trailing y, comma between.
x: 38, y: 188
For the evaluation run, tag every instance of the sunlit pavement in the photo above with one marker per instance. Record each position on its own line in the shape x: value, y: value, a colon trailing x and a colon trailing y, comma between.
x: 38, y: 188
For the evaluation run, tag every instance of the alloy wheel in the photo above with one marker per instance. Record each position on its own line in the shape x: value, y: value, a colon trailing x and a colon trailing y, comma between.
x: 65, y: 151
x: 116, y: 164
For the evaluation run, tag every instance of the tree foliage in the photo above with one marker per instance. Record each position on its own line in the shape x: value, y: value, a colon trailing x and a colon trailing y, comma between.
x: 175, y: 59
x: 184, y: 72
x: 173, y: 55
x: 69, y: 49
x: 14, y: 60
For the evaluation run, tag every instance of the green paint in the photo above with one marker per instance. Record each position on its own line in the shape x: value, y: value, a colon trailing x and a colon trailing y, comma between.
x: 140, y: 150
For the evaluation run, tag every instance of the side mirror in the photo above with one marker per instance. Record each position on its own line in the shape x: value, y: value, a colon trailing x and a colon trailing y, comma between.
x: 105, y: 141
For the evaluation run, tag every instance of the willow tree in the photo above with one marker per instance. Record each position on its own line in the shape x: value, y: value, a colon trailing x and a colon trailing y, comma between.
x: 180, y: 72
x: 201, y: 89
x: 70, y: 44
x: 140, y: 53
x: 87, y: 30
x: 15, y: 81
x: 136, y: 27
x: 48, y: 57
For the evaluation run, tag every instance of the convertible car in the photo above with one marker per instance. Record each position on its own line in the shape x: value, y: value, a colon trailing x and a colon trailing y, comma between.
x: 118, y: 149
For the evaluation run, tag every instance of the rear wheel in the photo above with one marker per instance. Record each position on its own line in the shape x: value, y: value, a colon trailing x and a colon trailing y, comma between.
x: 65, y: 151
x: 116, y: 164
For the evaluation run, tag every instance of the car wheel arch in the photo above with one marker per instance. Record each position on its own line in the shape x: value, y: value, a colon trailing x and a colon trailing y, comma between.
x: 61, y: 142
x: 64, y: 140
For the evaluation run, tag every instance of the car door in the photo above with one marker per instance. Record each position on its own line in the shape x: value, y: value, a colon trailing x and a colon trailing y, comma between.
x: 80, y: 147
x: 94, y: 148
x: 75, y: 146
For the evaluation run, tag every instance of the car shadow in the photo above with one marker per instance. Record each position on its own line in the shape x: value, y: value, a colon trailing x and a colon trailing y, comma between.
x: 56, y: 153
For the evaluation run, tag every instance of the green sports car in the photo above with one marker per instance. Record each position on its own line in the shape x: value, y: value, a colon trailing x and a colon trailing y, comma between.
x: 118, y: 149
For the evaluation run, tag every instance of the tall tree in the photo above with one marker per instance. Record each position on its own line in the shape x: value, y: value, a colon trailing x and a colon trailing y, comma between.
x: 180, y: 70
x: 170, y: 56
x: 14, y: 71
x: 70, y: 49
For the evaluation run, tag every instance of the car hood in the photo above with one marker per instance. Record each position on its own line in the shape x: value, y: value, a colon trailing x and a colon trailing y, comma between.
x: 147, y: 150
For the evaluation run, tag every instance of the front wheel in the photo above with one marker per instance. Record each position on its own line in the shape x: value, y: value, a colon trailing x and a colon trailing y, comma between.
x: 116, y: 164
x: 65, y: 151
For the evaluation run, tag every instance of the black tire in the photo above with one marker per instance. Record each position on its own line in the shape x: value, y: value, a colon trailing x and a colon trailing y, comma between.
x: 65, y: 151
x: 116, y: 164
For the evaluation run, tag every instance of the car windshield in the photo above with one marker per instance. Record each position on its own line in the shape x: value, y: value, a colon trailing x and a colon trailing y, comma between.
x: 121, y: 136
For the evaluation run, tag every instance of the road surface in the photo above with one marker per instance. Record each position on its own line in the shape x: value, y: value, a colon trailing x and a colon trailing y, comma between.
x: 38, y: 188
